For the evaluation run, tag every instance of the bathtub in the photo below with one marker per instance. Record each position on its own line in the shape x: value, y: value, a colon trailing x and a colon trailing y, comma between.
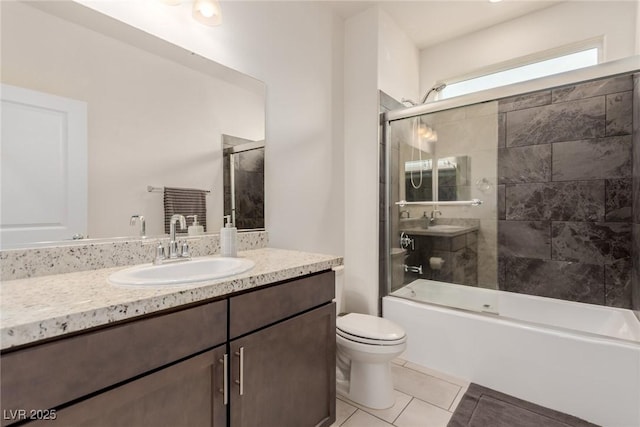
x: 580, y: 359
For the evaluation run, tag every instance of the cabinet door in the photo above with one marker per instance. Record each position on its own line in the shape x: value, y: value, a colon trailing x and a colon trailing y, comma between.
x: 186, y: 394
x: 52, y: 374
x: 284, y: 375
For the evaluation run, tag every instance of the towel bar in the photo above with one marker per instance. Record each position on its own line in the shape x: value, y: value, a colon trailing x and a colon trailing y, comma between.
x: 152, y: 189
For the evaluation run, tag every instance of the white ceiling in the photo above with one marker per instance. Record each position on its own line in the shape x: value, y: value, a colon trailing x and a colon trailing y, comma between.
x: 429, y: 22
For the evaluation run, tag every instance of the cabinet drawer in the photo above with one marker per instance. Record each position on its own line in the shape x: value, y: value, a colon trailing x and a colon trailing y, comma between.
x: 256, y: 309
x: 48, y: 375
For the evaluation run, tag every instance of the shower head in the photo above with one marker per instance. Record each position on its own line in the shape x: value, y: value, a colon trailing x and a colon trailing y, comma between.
x: 411, y: 102
x: 436, y: 88
x: 439, y: 87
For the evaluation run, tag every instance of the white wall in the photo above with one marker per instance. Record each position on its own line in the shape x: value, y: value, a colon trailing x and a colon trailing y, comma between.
x: 559, y: 25
x: 361, y: 157
x: 295, y: 48
x: 398, y: 61
x: 378, y: 55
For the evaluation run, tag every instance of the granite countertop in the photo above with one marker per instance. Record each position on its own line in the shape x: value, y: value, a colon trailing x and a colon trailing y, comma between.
x: 49, y: 306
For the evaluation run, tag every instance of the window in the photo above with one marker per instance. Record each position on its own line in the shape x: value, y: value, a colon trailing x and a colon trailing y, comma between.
x: 558, y: 64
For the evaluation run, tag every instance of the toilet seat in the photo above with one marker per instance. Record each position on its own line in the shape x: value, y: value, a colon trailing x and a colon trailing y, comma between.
x: 369, y: 341
x: 372, y: 330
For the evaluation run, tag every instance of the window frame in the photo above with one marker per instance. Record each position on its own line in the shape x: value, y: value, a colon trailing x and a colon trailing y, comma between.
x: 557, y: 52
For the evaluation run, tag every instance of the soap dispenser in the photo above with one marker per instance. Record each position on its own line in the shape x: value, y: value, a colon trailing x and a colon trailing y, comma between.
x: 228, y: 239
x: 195, y: 229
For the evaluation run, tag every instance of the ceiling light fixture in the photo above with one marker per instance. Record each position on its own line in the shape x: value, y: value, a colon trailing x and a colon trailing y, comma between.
x: 495, y: 1
x: 207, y: 12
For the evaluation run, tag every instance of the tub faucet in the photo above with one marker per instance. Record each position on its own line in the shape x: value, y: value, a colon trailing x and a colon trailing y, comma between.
x: 173, y: 244
x: 432, y: 217
x: 412, y: 268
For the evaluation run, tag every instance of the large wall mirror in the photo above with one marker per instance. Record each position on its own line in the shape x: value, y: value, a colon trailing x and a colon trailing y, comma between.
x: 154, y: 115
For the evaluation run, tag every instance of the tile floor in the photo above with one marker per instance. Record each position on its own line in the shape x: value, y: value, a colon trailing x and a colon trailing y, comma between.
x: 424, y: 398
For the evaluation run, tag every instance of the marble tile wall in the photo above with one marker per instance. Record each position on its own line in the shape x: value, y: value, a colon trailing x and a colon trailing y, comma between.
x: 566, y: 180
x: 635, y: 186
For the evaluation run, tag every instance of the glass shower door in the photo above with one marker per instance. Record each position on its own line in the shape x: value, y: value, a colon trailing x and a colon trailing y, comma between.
x: 442, y: 209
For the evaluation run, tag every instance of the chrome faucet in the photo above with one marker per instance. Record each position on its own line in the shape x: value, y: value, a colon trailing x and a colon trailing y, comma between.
x: 143, y: 227
x: 174, y: 254
x: 432, y: 216
x: 173, y: 244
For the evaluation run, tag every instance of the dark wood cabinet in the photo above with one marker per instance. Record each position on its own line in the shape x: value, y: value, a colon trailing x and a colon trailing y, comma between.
x: 284, y: 375
x: 49, y: 375
x: 266, y: 357
x: 188, y: 393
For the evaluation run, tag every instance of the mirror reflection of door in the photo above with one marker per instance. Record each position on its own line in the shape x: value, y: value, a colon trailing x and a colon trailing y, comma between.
x: 43, y: 167
x: 243, y: 181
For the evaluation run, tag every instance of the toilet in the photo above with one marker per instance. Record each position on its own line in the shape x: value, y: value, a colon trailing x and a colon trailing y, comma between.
x: 365, y: 346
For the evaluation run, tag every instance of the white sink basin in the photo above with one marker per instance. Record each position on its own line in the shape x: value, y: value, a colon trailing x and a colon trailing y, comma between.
x: 178, y: 273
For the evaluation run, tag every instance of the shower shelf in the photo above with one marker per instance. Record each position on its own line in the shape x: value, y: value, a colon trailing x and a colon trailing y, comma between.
x: 473, y: 202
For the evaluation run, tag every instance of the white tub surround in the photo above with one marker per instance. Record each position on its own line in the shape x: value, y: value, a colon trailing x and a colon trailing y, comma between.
x: 82, y: 255
x: 576, y: 358
x: 49, y: 306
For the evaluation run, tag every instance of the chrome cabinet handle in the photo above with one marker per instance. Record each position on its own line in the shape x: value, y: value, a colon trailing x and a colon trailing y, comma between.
x: 225, y: 380
x: 240, y: 381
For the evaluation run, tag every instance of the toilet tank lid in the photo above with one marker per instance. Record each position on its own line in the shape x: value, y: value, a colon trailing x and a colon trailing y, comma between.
x: 367, y: 326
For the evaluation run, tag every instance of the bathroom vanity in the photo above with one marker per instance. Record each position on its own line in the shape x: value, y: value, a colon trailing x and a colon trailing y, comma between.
x: 254, y: 349
x: 453, y: 248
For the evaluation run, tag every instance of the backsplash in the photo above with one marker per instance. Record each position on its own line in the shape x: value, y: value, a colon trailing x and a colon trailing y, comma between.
x: 24, y: 263
x: 565, y: 192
